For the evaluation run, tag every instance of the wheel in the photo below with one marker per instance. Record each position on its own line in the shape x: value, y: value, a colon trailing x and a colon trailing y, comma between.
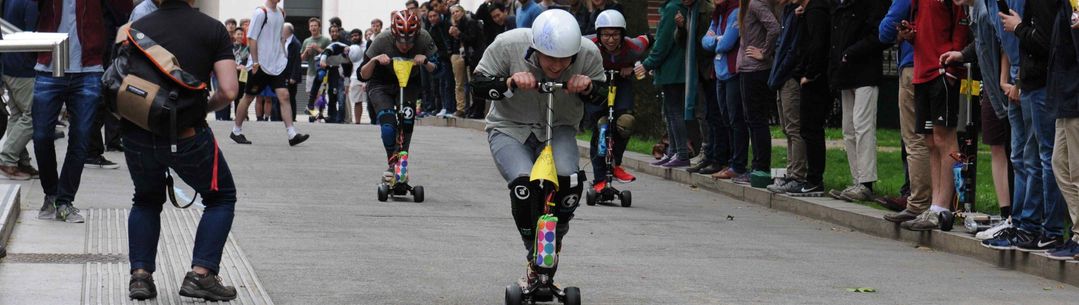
x: 573, y: 296
x: 947, y: 221
x: 383, y: 192
x: 590, y: 196
x: 514, y: 295
x: 627, y: 198
x: 417, y: 193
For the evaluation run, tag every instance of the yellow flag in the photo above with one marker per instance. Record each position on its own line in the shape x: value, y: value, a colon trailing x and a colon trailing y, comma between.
x: 243, y: 75
x: 610, y: 95
x: 544, y: 168
x: 970, y: 87
x: 1075, y: 5
x: 402, y: 67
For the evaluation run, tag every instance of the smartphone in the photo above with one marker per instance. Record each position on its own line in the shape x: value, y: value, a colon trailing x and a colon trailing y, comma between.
x: 1003, y: 7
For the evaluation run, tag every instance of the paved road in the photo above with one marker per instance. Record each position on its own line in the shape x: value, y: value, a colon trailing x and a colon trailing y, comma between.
x: 315, y: 234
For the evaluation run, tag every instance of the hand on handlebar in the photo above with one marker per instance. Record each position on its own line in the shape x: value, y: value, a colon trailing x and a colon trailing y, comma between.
x: 578, y: 84
x: 522, y: 80
x: 382, y: 59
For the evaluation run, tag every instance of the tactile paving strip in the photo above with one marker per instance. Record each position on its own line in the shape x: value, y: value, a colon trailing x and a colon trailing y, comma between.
x: 106, y: 282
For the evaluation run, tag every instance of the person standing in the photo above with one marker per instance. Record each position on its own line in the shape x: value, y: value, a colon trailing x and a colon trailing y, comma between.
x: 18, y: 80
x: 292, y: 68
x: 203, y: 47
x: 816, y: 97
x: 758, y: 29
x: 789, y: 96
x: 267, y: 66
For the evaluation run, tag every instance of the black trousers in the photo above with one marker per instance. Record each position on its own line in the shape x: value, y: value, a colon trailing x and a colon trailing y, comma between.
x: 103, y: 120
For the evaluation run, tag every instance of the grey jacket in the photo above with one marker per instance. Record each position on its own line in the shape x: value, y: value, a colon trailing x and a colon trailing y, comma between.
x: 524, y: 112
x: 760, y: 29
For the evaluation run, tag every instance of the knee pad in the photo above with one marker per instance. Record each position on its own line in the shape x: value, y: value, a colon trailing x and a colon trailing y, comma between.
x: 624, y: 123
x: 388, y: 120
x: 568, y: 196
x: 525, y: 197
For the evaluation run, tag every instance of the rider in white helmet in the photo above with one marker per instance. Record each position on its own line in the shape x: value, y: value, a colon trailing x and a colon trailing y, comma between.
x: 620, y: 53
x: 552, y: 50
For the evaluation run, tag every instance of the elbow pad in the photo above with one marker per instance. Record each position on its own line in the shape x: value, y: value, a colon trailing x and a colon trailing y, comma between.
x: 490, y: 87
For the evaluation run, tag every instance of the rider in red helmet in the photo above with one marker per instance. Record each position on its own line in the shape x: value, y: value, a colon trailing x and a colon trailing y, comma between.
x: 406, y: 39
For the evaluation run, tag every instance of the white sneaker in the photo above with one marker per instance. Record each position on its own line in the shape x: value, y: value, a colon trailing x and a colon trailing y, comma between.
x: 988, y: 234
x: 441, y: 113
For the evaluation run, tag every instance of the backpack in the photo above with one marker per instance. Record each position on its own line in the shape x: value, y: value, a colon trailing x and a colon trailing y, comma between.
x: 146, y: 86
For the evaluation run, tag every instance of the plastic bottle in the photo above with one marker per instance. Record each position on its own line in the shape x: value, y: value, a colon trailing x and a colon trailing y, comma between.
x: 957, y: 172
x: 546, y: 242
x: 601, y: 150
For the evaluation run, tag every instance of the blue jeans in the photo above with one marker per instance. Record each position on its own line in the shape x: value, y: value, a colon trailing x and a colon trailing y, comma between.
x: 718, y: 147
x: 81, y: 92
x: 674, y: 104
x: 1043, y: 211
x: 446, y: 88
x: 1021, y: 138
x: 729, y: 93
x: 148, y: 157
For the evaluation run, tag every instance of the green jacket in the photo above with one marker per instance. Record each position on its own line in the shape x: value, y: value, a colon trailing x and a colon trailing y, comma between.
x: 668, y: 56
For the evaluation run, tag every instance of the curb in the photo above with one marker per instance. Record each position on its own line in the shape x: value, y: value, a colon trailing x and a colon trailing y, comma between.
x: 9, y: 213
x: 858, y: 217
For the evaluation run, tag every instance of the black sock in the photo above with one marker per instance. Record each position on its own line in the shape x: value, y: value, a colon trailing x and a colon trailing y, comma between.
x: 868, y: 185
x: 1006, y: 212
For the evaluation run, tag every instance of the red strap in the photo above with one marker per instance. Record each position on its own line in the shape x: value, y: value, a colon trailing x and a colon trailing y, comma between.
x: 213, y: 181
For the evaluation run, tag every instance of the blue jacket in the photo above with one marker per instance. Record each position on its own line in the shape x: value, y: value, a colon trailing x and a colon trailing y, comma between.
x: 22, y: 14
x: 725, y: 46
x: 527, y: 13
x: 1062, y: 91
x: 1008, y: 41
x: 786, y: 49
x: 986, y: 51
x: 889, y: 31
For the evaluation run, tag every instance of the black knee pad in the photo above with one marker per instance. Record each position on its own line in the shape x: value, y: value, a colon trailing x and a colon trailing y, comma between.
x: 568, y: 196
x: 526, y: 198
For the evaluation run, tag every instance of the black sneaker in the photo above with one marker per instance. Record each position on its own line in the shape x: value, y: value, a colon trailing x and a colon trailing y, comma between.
x: 297, y: 139
x: 1005, y: 239
x: 100, y: 162
x: 807, y: 189
x: 207, y: 287
x: 1040, y: 244
x: 711, y: 169
x: 239, y: 138
x: 697, y: 167
x: 141, y: 286
x: 1025, y: 238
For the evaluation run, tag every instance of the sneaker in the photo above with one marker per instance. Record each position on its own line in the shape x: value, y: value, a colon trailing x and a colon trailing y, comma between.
x: 926, y: 221
x: 780, y: 186
x: 901, y: 217
x: 239, y: 138
x: 100, y: 162
x: 68, y: 213
x: 459, y: 114
x: 661, y: 161
x: 29, y: 170
x: 714, y: 168
x: 1005, y: 239
x: 598, y: 186
x: 141, y: 286
x: 48, y: 208
x: 441, y: 113
x: 13, y: 173
x: 987, y: 234
x: 725, y: 174
x: 207, y: 287
x: 529, y: 277
x: 741, y: 179
x: 805, y: 189
x: 858, y: 192
x: 837, y: 194
x: 699, y: 166
x: 297, y: 139
x: 676, y: 163
x: 895, y: 204
x: 1040, y: 244
x: 622, y: 175
x: 1066, y: 252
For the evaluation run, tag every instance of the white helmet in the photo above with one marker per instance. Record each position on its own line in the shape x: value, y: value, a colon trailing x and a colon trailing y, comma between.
x: 354, y: 53
x: 610, y: 19
x: 555, y: 33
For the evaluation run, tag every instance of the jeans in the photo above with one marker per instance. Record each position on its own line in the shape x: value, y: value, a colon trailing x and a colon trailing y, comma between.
x: 729, y: 93
x: 148, y: 157
x: 674, y: 104
x: 717, y: 148
x: 1043, y: 210
x: 756, y: 100
x: 623, y: 104
x: 81, y: 92
x: 446, y: 87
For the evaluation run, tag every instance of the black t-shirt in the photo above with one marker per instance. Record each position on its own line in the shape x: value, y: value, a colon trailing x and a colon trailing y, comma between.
x: 196, y: 40
x: 384, y: 44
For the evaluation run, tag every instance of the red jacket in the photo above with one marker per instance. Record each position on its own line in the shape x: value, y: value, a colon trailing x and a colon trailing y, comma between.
x: 938, y: 29
x: 94, y: 25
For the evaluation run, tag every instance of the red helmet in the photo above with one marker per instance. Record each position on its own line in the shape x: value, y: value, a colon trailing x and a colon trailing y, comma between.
x: 404, y: 25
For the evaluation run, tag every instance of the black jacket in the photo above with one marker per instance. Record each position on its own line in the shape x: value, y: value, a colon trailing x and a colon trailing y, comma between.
x: 472, y: 39
x: 1062, y: 89
x: 854, y: 36
x: 293, y: 69
x: 441, y: 37
x: 813, y: 42
x: 1033, y: 35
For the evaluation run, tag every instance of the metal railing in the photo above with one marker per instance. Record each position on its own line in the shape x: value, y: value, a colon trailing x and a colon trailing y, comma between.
x: 16, y: 40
